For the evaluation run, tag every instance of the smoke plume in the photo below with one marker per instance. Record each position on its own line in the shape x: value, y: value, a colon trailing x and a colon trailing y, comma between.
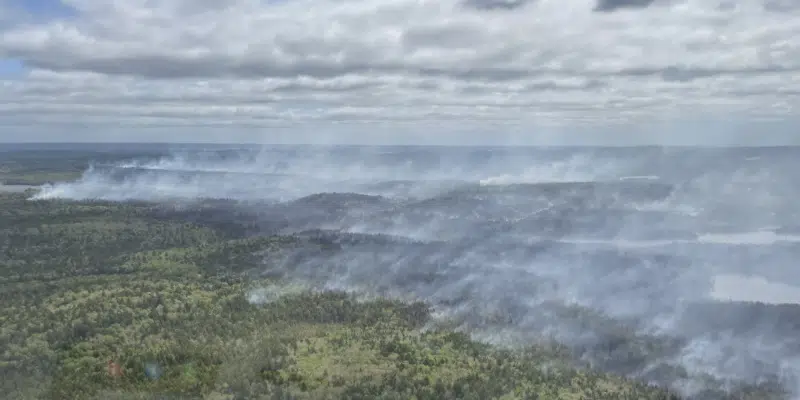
x: 674, y: 266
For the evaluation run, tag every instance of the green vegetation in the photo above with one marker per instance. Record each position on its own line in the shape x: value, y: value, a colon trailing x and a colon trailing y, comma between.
x: 83, y: 283
x: 38, y: 167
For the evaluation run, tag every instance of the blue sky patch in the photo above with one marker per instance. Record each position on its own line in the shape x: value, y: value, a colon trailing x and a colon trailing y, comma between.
x: 44, y: 8
x: 10, y: 67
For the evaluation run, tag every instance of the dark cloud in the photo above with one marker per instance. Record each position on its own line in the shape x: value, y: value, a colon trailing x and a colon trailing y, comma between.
x: 496, y: 4
x: 782, y: 5
x: 613, y: 5
x: 687, y: 74
x: 164, y: 66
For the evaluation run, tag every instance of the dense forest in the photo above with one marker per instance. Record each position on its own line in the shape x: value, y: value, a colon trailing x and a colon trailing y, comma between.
x: 105, y: 300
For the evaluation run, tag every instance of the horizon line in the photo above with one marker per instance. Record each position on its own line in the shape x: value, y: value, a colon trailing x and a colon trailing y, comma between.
x: 467, y: 145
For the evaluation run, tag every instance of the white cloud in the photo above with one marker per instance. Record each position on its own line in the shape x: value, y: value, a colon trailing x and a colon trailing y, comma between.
x: 404, y: 65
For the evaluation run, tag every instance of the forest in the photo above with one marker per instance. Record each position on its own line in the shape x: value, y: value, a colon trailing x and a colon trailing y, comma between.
x: 113, y: 300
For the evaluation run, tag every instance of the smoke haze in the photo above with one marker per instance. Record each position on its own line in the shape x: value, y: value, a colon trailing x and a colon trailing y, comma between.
x: 686, y: 254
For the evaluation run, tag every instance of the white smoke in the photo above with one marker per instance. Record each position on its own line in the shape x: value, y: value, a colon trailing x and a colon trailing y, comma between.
x: 498, y: 246
x: 575, y: 168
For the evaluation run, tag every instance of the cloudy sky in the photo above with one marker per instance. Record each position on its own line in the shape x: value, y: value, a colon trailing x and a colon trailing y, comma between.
x: 401, y: 71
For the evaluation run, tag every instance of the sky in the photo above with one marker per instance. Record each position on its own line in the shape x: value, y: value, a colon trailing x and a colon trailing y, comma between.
x: 401, y: 71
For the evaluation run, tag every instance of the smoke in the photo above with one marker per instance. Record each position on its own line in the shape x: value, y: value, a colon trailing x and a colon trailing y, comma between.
x: 668, y: 265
